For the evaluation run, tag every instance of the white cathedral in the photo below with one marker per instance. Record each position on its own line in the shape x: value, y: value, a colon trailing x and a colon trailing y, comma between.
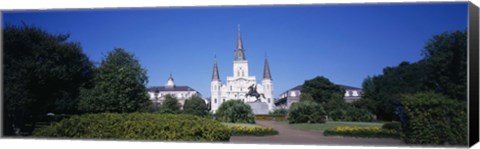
x: 237, y: 86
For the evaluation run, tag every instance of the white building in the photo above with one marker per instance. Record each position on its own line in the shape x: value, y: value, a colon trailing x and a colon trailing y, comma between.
x: 292, y: 95
x: 157, y: 93
x: 236, y: 86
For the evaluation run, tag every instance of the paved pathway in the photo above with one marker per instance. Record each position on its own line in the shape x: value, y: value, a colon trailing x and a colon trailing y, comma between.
x: 289, y: 135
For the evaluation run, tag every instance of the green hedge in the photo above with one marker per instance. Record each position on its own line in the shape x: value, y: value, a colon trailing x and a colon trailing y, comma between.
x: 306, y: 112
x: 397, y: 126
x: 252, y: 131
x: 434, y: 119
x: 351, y: 114
x: 138, y: 126
x: 363, y: 132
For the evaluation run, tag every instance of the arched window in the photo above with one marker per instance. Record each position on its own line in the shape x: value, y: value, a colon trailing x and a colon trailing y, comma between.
x: 223, y: 100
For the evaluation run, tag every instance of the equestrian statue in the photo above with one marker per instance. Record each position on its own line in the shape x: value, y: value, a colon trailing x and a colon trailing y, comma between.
x: 252, y: 91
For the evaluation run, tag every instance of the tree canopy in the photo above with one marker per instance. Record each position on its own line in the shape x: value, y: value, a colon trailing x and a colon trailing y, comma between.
x: 195, y: 106
x: 119, y: 85
x: 42, y: 73
x: 170, y: 105
x: 441, y: 70
x: 323, y: 92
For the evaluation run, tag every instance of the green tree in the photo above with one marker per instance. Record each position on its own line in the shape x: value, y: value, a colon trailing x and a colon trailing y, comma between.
x: 42, y: 73
x: 324, y: 92
x: 170, y: 105
x: 195, y: 106
x: 235, y: 111
x: 445, y: 60
x: 119, y: 86
x: 442, y: 70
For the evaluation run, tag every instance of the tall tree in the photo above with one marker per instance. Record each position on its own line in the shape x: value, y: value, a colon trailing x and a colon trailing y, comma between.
x: 42, y: 73
x: 195, y: 106
x: 445, y: 58
x: 170, y: 105
x: 324, y: 92
x: 119, y: 86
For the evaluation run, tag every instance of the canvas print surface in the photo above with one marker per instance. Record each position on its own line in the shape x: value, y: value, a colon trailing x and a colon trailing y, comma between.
x: 348, y: 74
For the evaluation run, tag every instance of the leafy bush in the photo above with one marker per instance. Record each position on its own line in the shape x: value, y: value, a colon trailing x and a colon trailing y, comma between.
x: 138, y: 126
x: 195, y: 106
x: 364, y: 132
x: 252, y: 131
x: 351, y: 114
x: 397, y: 126
x: 434, y: 119
x: 279, y: 112
x: 307, y: 112
x: 235, y: 111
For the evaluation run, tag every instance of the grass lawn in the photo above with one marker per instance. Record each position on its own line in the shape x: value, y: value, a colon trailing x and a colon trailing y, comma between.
x: 330, y: 124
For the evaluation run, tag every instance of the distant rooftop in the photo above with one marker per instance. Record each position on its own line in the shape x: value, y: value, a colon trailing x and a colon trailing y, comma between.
x: 176, y: 88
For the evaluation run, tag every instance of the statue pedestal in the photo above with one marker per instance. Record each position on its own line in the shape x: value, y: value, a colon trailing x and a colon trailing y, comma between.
x: 258, y: 108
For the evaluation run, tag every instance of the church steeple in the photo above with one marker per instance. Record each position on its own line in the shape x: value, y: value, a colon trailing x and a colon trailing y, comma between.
x: 170, y: 83
x: 266, y: 71
x: 239, y: 52
x: 215, y: 75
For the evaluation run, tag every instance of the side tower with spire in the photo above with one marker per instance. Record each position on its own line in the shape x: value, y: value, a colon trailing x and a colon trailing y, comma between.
x: 267, y: 83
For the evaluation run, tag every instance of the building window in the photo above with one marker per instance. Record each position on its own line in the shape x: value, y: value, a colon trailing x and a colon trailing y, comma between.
x: 293, y: 94
x: 243, y: 74
x: 215, y: 100
x: 355, y: 93
x: 230, y: 88
x: 268, y: 100
x: 223, y: 100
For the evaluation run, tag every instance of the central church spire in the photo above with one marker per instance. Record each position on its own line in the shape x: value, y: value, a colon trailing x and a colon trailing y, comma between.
x: 239, y: 52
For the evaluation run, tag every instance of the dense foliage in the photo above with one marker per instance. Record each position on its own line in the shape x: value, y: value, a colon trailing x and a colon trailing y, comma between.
x: 279, y: 112
x: 42, y: 73
x: 138, y: 126
x: 306, y: 112
x: 442, y: 70
x: 170, y: 105
x: 324, y: 92
x: 252, y: 131
x: 364, y: 132
x: 434, y: 119
x: 119, y: 86
x: 235, y: 111
x: 397, y: 126
x: 195, y: 106
x: 351, y: 114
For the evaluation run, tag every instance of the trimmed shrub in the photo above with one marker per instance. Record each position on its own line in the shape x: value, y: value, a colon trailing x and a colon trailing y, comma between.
x: 306, y: 112
x: 252, y: 131
x: 138, y: 126
x: 235, y: 111
x: 434, y: 119
x: 364, y: 132
x: 397, y: 126
x: 351, y: 114
x: 279, y: 112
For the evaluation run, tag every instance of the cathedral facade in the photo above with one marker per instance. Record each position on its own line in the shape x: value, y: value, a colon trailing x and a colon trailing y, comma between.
x: 237, y: 86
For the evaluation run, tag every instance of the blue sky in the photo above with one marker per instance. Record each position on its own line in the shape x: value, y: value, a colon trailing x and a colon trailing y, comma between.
x: 345, y: 43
